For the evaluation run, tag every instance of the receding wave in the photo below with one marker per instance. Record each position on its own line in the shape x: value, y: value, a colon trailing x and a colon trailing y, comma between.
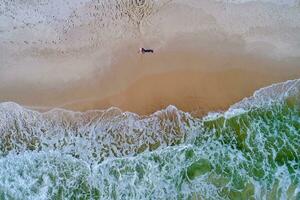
x: 250, y: 151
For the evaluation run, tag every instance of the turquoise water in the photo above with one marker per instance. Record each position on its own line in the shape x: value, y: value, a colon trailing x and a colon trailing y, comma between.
x: 251, y: 151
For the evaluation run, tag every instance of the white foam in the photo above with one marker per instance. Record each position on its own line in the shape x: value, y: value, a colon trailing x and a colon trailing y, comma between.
x: 264, y: 97
x: 92, y: 135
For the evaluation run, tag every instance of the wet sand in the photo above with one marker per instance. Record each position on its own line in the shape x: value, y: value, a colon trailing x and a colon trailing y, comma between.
x: 194, y: 80
x: 197, y: 92
x: 191, y: 73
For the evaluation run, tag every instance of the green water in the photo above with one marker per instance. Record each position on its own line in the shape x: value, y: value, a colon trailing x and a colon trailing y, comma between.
x: 250, y: 155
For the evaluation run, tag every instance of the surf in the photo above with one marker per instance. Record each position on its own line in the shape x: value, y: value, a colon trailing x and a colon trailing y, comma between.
x: 112, y: 154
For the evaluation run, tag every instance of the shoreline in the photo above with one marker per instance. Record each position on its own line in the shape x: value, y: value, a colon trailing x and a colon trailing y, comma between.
x: 192, y: 91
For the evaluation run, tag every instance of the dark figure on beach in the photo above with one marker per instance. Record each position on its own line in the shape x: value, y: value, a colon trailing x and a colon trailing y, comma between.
x: 143, y: 50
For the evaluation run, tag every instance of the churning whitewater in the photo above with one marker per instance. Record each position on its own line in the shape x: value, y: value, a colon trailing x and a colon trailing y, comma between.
x: 250, y: 151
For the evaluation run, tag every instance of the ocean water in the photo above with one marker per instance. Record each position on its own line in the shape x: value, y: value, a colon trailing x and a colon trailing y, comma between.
x: 251, y: 151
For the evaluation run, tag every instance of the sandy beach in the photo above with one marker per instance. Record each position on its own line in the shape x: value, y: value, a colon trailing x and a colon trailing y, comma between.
x: 202, y: 61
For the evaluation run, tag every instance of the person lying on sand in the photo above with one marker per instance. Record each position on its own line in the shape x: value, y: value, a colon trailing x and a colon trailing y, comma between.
x: 143, y: 50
